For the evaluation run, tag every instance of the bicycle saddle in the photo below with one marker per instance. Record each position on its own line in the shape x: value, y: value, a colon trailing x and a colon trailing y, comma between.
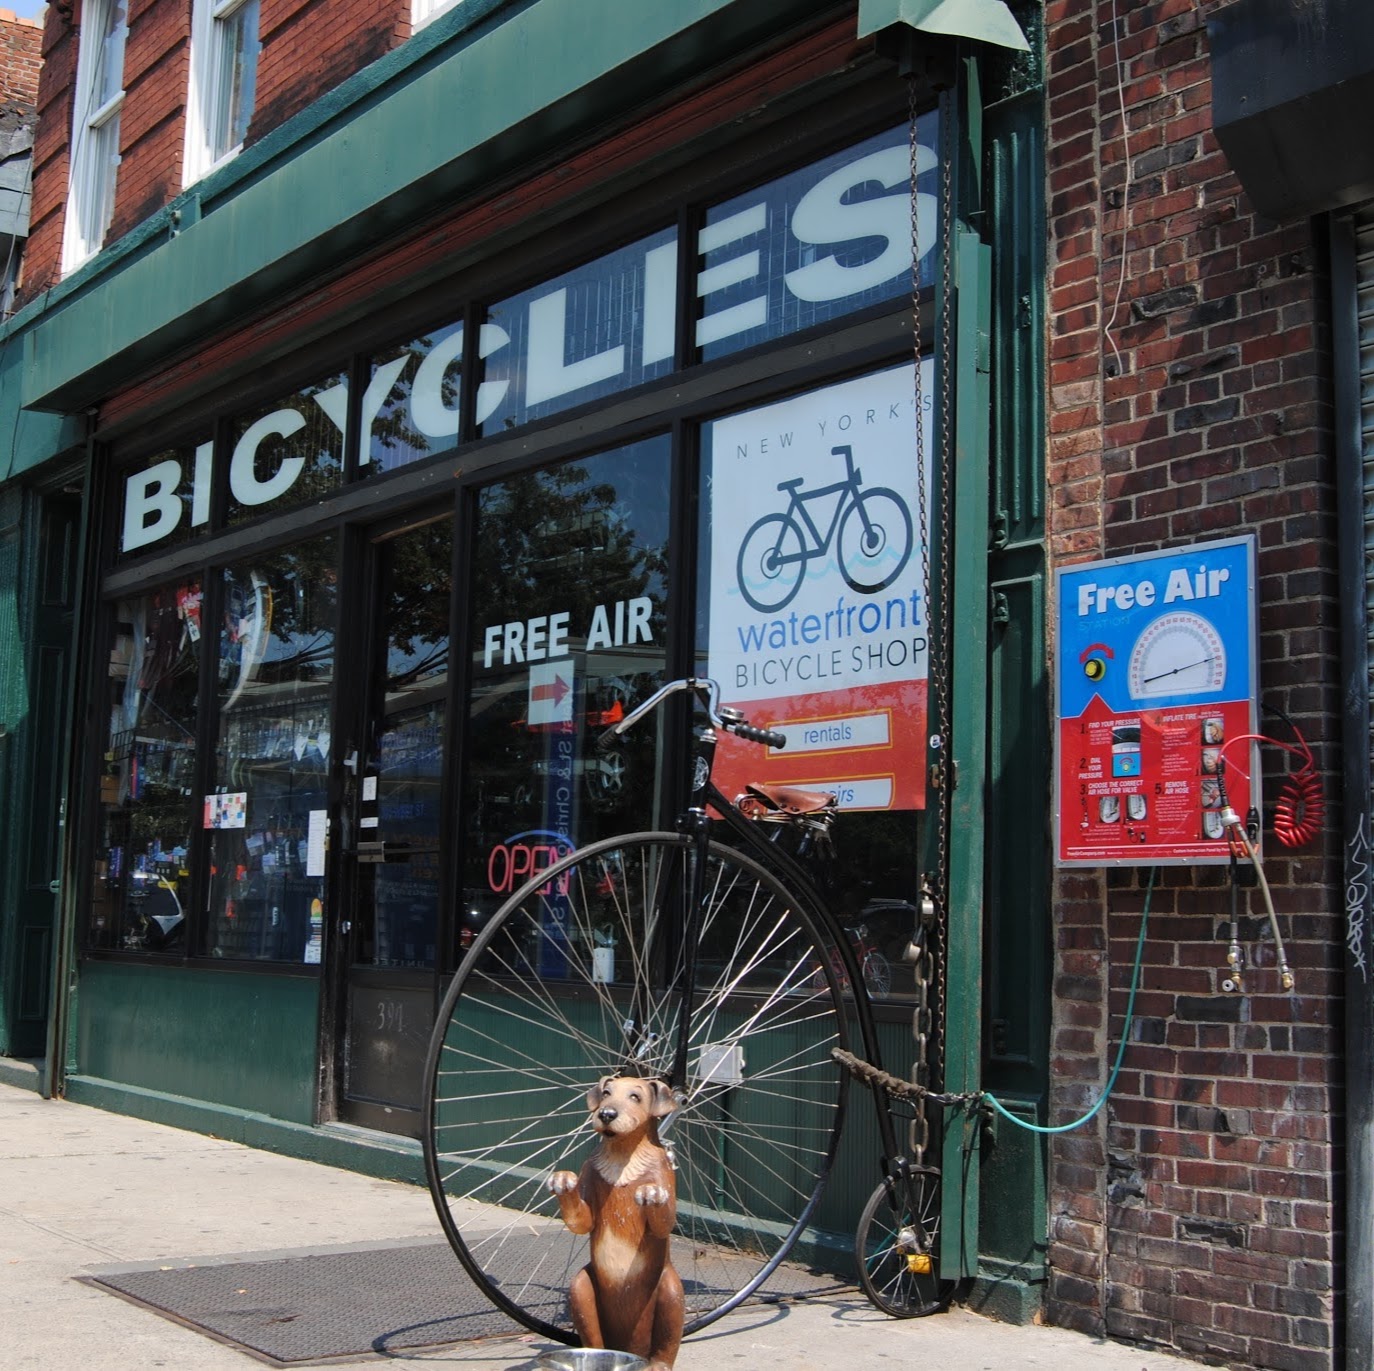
x: 783, y: 801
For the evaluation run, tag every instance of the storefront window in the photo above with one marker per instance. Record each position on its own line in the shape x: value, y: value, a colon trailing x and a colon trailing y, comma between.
x: 569, y: 630
x: 267, y: 810
x: 411, y: 406
x: 591, y: 332
x: 289, y: 451
x: 817, y: 244
x: 812, y: 618
x: 148, y: 805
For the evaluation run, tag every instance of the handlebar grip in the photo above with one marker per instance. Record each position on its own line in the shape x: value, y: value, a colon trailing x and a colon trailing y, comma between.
x: 604, y: 740
x: 766, y: 736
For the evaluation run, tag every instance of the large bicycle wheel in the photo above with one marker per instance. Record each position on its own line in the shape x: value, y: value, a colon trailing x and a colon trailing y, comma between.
x: 897, y: 1249
x: 772, y: 558
x: 580, y: 975
x: 874, y: 539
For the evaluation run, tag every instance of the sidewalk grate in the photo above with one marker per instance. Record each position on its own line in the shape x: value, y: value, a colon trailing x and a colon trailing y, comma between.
x: 295, y: 1309
x: 318, y: 1306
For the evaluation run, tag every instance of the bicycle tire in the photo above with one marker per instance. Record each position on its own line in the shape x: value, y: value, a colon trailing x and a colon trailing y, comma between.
x: 763, y: 564
x: 888, y: 563
x: 765, y: 1102
x: 890, y: 1253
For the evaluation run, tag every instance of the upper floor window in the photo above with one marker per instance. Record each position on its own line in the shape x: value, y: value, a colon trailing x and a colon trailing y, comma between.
x: 95, y: 129
x: 224, y: 77
x: 422, y: 11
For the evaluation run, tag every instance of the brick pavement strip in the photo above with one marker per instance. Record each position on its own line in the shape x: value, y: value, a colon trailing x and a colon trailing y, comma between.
x: 85, y: 1189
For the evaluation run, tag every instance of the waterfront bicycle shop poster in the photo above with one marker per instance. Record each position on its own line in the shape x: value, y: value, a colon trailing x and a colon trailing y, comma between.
x: 817, y: 616
x: 1156, y: 704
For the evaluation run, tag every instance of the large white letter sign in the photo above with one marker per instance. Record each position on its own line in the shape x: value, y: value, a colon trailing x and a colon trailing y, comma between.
x: 243, y: 480
x: 744, y: 266
x: 822, y: 217
x: 547, y: 374
x: 433, y: 416
x: 152, y: 508
x: 200, y: 487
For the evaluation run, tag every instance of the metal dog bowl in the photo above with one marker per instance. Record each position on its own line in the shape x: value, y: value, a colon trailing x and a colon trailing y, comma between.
x: 590, y: 1359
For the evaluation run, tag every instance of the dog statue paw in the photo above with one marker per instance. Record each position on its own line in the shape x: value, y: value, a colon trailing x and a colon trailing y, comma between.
x: 652, y: 1194
x: 628, y: 1296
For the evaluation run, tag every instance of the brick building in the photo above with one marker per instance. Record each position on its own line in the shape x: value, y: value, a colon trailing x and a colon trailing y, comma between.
x: 1190, y: 395
x: 336, y: 312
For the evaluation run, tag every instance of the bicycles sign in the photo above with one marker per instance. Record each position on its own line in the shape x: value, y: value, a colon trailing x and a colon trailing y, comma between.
x: 817, y: 613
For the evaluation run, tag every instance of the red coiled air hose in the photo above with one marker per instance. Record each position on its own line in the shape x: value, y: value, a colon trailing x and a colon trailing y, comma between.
x: 1300, y: 811
x: 1301, y: 808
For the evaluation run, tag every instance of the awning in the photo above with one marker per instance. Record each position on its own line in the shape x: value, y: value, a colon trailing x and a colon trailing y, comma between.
x: 986, y: 21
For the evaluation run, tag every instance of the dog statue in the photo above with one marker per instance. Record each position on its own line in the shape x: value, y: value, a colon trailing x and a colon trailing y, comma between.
x: 628, y: 1296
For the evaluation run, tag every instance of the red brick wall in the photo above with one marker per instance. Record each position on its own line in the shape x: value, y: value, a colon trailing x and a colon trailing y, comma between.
x: 21, y: 43
x: 152, y: 129
x: 43, y: 255
x: 1188, y: 400
x: 308, y: 47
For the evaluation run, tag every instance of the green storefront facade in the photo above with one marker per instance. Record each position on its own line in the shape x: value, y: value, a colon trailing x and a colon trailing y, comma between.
x: 432, y: 364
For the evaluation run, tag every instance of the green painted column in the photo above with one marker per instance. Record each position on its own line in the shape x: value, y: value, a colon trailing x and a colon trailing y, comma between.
x: 972, y: 281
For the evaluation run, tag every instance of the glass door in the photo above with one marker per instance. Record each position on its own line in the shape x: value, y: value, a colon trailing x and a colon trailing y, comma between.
x: 394, y: 847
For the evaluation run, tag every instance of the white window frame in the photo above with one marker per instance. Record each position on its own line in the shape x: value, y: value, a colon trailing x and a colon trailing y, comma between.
x: 206, y: 102
x: 423, y: 11
x: 94, y: 169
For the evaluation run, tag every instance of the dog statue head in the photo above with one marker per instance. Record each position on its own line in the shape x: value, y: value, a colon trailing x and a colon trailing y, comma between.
x: 621, y: 1105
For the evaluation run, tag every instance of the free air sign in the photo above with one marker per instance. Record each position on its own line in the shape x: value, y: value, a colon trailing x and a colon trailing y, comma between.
x: 545, y: 643
x: 1155, y: 705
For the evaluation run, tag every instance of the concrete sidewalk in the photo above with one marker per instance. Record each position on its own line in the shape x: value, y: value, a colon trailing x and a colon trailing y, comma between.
x: 84, y: 1189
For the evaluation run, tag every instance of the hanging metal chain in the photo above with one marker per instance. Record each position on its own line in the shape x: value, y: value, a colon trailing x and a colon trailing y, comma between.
x: 929, y: 942
x: 942, y: 670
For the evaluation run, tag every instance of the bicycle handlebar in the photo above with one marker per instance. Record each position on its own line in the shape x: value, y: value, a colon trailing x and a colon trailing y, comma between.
x: 766, y: 737
x: 707, y: 692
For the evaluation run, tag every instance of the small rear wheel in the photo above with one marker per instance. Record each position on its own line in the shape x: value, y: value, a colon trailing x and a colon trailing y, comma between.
x: 897, y: 1247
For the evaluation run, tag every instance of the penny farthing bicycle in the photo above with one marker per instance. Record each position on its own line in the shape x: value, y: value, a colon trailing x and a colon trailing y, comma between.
x: 715, y: 966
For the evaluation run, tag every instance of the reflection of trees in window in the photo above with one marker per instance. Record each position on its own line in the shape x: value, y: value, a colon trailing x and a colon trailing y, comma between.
x: 412, y: 423
x: 317, y: 444
x: 559, y: 539
x: 416, y: 603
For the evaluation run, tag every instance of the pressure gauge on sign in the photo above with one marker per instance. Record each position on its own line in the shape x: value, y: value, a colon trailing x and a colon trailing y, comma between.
x: 1179, y: 653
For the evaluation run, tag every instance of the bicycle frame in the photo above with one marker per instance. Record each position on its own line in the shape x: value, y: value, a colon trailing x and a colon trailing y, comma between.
x: 797, y: 502
x: 696, y: 821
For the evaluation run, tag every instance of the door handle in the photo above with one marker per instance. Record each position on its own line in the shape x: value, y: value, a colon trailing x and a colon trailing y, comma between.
x: 381, y: 850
